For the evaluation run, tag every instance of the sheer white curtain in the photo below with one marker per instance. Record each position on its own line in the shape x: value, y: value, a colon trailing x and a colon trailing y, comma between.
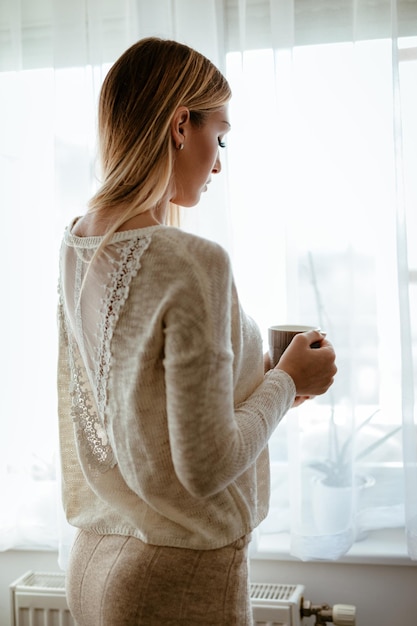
x: 53, y: 58
x: 316, y: 205
x: 324, y: 225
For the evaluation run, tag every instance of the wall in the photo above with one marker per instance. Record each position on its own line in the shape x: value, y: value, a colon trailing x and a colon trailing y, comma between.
x: 383, y: 594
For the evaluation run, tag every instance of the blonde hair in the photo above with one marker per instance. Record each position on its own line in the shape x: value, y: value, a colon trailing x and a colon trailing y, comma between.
x: 138, y: 99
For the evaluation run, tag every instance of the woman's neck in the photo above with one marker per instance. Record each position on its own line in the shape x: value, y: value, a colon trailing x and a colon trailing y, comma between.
x: 93, y: 225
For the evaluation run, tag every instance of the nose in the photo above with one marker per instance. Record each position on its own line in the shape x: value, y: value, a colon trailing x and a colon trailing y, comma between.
x: 217, y: 167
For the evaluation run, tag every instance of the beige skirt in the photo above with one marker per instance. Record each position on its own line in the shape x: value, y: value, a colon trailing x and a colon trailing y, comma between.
x: 121, y: 581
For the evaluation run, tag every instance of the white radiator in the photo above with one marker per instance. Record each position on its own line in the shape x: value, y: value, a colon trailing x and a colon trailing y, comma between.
x: 38, y: 599
x: 276, y: 605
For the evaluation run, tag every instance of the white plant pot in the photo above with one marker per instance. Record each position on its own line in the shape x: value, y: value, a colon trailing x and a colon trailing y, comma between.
x: 335, y: 508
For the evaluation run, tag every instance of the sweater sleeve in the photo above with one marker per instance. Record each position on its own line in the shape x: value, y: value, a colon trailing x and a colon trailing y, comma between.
x: 212, y: 441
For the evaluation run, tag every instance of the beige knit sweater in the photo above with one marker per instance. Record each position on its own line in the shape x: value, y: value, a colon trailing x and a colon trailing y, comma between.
x: 164, y: 409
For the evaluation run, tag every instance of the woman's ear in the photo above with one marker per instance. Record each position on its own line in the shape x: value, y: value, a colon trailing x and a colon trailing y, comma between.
x: 179, y: 126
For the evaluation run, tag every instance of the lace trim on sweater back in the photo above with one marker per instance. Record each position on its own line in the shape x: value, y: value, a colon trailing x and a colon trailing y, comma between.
x: 88, y: 409
x: 112, y: 304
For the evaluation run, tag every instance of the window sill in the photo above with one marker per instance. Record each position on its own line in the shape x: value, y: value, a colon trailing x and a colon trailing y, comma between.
x: 381, y: 547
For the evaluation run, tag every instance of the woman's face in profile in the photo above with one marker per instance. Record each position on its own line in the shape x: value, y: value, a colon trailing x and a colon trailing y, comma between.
x: 199, y: 158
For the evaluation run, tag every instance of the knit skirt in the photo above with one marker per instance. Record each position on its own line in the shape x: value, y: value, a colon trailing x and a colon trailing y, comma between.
x: 114, y: 580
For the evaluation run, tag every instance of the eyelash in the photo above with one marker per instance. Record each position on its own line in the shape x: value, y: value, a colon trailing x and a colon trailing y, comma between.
x: 221, y: 143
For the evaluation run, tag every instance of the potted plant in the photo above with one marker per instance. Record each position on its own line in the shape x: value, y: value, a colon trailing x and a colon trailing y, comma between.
x: 336, y: 469
x: 337, y: 488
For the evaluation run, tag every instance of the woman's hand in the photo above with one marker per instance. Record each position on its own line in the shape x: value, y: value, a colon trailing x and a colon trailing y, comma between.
x: 300, y: 399
x: 267, y: 362
x: 312, y: 370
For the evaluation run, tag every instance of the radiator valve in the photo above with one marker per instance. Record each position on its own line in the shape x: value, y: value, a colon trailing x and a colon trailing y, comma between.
x: 339, y: 614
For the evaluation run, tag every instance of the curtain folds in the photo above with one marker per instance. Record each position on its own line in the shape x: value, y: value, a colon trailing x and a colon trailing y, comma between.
x: 315, y: 204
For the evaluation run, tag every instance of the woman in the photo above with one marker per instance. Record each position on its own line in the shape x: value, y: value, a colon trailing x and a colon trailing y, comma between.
x: 164, y: 408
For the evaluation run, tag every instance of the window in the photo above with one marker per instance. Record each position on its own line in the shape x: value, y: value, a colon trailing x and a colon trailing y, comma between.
x: 313, y: 222
x: 319, y: 179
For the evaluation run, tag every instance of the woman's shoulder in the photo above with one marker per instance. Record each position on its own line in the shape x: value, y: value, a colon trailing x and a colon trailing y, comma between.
x: 178, y: 243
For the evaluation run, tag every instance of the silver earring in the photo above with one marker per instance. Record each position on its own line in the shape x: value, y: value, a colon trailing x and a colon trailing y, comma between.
x: 180, y: 146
